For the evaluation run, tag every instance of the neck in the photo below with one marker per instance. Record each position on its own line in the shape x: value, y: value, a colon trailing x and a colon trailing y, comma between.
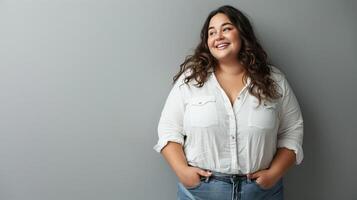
x: 232, y: 68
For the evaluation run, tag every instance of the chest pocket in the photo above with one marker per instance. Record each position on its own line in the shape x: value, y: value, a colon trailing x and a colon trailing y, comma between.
x: 263, y: 116
x: 202, y: 111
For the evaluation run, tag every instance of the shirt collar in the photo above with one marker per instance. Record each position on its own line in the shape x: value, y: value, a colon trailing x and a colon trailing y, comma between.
x: 216, y: 83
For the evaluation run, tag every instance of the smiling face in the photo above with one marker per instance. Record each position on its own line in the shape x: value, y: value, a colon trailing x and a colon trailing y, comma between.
x: 223, y: 40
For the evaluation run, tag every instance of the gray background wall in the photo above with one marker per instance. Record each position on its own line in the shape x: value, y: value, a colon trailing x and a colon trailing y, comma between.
x: 83, y: 82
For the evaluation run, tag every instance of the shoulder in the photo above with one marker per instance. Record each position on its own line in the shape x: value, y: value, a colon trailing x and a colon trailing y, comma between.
x: 280, y: 79
x: 180, y: 82
x: 276, y: 74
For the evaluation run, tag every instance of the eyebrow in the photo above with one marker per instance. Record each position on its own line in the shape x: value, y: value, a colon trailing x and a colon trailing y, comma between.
x: 227, y: 23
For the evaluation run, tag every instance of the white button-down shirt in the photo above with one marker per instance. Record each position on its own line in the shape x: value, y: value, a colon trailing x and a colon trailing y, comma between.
x: 238, y: 139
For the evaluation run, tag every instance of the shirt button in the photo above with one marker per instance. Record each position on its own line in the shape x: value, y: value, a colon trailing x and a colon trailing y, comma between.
x: 238, y: 98
x: 233, y: 137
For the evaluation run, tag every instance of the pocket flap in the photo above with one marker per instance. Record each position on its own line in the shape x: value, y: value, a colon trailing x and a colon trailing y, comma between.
x: 265, y: 104
x: 202, y: 100
x: 269, y: 105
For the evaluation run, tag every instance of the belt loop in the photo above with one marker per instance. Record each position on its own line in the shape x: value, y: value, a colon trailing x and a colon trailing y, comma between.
x: 248, y: 179
x: 207, y: 179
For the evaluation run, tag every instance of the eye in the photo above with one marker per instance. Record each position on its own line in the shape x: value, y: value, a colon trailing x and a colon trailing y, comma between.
x: 227, y: 29
x: 211, y: 33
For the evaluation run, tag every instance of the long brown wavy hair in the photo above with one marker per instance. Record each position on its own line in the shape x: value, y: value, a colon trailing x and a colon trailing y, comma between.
x: 251, y: 55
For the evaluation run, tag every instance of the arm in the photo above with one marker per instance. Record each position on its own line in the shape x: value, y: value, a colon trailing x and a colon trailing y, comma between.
x: 283, y: 160
x: 171, y: 138
x: 289, y: 140
x: 174, y: 155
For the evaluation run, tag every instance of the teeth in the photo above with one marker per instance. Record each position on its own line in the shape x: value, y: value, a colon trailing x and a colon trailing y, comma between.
x: 222, y: 45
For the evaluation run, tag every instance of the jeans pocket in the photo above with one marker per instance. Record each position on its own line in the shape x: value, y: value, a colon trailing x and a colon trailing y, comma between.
x: 267, y: 189
x: 258, y: 186
x: 196, y: 186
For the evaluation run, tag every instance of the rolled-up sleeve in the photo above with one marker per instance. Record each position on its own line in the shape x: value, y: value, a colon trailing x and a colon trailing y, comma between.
x: 291, y: 129
x: 170, y: 127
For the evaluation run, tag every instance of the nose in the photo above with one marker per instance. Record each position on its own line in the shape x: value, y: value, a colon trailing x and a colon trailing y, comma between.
x: 219, y: 35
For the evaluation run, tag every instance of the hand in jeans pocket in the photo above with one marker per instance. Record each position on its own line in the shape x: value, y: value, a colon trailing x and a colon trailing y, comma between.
x: 190, y: 177
x: 264, y: 179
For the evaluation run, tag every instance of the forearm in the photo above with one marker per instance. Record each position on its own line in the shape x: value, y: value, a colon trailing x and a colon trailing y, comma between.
x: 175, y: 156
x: 283, y: 160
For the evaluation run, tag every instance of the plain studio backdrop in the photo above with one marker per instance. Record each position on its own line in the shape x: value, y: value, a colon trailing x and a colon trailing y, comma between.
x: 83, y: 83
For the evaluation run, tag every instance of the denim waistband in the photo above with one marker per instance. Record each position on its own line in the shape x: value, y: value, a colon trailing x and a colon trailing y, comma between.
x: 227, y: 175
x: 229, y: 178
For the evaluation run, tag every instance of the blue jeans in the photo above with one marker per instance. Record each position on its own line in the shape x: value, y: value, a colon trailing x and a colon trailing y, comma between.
x: 229, y: 187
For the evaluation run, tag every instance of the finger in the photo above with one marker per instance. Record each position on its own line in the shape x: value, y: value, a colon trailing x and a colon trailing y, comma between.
x: 254, y: 175
x: 258, y: 181
x: 204, y: 173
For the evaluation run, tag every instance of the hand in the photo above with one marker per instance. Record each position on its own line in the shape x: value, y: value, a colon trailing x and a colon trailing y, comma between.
x: 190, y: 176
x: 266, y: 179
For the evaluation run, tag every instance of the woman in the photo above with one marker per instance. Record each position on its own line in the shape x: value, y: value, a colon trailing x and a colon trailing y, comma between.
x: 231, y: 125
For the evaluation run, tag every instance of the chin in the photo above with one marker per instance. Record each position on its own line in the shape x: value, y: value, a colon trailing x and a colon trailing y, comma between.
x: 221, y: 56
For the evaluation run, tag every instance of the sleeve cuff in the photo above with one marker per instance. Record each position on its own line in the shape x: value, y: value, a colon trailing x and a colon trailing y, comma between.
x: 292, y: 145
x: 163, y: 142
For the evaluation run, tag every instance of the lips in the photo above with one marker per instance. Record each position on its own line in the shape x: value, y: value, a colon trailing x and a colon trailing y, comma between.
x: 222, y: 45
